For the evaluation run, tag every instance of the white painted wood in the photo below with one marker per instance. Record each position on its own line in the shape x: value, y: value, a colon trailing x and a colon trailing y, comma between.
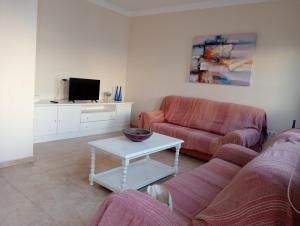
x: 177, y: 158
x: 140, y: 174
x: 96, y: 108
x: 97, y: 116
x: 125, y: 163
x: 123, y: 148
x: 83, y: 104
x: 124, y: 113
x: 45, y: 121
x: 68, y: 119
x: 104, y: 125
x: 93, y: 164
x: 137, y: 174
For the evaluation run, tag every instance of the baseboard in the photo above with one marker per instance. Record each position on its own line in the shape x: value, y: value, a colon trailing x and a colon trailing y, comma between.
x: 16, y: 162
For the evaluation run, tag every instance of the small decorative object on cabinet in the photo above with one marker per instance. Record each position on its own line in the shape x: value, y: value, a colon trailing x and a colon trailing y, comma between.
x: 120, y: 94
x: 107, y: 96
x: 116, y: 94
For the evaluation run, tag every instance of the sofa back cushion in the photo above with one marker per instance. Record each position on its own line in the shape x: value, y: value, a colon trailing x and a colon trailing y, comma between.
x: 212, y: 116
x: 258, y: 193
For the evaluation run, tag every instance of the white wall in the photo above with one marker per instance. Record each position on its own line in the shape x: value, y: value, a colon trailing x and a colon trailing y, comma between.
x: 79, y: 39
x: 160, y: 54
x: 18, y: 20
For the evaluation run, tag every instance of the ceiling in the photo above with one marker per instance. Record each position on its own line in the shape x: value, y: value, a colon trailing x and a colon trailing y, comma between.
x: 149, y: 7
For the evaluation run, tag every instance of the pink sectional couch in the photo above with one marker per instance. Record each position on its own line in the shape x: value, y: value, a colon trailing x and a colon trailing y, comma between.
x: 205, y: 125
x: 237, y: 187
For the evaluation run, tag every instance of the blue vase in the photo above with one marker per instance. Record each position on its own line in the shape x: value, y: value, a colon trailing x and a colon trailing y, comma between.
x: 120, y: 94
x: 116, y: 94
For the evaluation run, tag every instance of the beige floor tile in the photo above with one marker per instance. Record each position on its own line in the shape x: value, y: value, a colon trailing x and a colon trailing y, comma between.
x: 17, y: 210
x: 54, y: 190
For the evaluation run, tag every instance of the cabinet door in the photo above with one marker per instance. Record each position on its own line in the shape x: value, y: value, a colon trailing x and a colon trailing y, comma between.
x: 69, y: 119
x: 124, y: 113
x: 45, y: 121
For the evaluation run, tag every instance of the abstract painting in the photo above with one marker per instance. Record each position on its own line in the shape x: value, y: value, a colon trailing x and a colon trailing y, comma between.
x: 223, y: 59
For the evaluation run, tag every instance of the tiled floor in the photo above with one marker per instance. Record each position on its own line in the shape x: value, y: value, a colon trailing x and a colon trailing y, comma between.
x: 54, y: 190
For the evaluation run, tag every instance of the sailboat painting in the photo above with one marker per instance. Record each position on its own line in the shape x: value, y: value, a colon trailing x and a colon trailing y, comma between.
x: 223, y: 59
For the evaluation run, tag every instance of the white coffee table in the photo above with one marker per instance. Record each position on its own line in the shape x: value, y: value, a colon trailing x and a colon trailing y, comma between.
x: 139, y: 173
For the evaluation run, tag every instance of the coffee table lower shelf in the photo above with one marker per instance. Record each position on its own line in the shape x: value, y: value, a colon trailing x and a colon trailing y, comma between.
x: 140, y: 174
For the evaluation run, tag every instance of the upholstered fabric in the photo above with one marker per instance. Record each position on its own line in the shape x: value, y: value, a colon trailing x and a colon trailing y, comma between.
x: 148, y: 118
x: 231, y: 123
x: 244, y: 137
x: 193, y: 191
x: 133, y: 208
x: 258, y: 193
x: 220, y: 193
x: 236, y: 154
x: 194, y: 139
x: 289, y: 135
x: 217, y: 117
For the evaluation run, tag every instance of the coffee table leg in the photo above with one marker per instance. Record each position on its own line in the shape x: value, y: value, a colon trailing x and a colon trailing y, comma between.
x: 93, y: 163
x: 177, y: 159
x: 125, y: 164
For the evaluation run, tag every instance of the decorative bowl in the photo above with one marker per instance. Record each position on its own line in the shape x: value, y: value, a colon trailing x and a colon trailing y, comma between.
x: 136, y: 134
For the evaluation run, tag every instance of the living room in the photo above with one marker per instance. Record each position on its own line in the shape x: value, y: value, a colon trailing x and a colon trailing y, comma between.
x: 145, y: 47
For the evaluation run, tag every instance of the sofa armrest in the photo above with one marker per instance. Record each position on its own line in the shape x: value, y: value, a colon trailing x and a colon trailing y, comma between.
x: 244, y: 137
x: 134, y: 208
x: 236, y: 154
x: 147, y: 118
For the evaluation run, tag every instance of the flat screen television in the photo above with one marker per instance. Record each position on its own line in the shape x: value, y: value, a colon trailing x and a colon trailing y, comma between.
x: 84, y: 89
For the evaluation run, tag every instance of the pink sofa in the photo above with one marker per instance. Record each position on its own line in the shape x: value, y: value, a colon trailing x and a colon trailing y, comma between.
x: 205, y: 125
x: 237, y: 187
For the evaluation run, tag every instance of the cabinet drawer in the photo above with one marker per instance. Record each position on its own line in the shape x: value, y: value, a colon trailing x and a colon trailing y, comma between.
x: 99, y: 116
x: 100, y: 125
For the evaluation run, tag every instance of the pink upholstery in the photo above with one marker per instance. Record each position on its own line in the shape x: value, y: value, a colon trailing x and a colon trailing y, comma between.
x: 148, y: 118
x: 193, y: 191
x: 236, y: 154
x: 193, y: 138
x: 220, y: 192
x: 225, y: 122
x: 133, y: 208
x: 258, y: 193
x: 212, y: 116
x: 244, y: 137
x: 291, y: 135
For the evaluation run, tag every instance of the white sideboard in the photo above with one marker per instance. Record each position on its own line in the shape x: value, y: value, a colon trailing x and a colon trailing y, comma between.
x: 70, y: 120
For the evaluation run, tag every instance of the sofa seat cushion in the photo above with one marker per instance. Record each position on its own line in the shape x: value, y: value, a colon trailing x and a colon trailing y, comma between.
x: 193, y: 191
x: 194, y: 139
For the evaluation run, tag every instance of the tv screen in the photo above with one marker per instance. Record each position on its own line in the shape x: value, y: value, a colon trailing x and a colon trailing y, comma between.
x: 84, y: 89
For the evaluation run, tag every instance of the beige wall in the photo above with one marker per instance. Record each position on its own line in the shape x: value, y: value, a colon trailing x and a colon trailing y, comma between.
x: 160, y: 54
x: 18, y: 20
x: 79, y: 39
